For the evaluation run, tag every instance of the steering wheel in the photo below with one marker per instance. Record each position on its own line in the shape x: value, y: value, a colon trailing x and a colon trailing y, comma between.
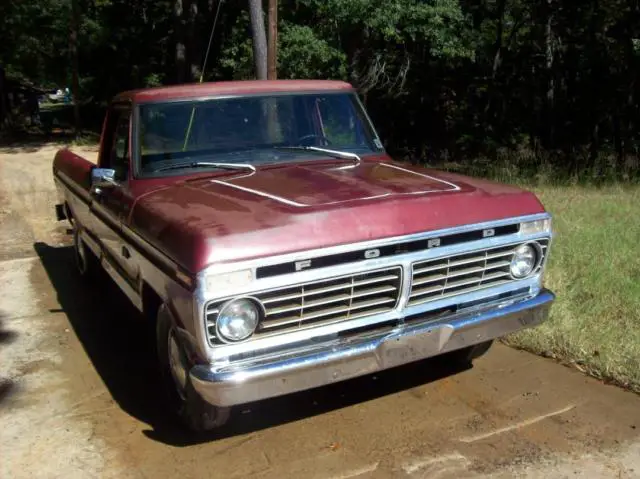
x: 311, y: 136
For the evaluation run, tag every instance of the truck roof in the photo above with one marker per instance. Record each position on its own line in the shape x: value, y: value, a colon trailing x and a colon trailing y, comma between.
x: 241, y: 87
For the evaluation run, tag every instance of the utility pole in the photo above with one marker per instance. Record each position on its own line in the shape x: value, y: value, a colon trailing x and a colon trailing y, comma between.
x: 272, y: 50
x: 259, y: 38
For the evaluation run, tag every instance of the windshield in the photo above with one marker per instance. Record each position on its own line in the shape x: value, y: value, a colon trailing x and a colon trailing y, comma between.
x: 252, y: 129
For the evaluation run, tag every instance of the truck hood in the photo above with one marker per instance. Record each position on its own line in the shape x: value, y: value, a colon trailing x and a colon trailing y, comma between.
x: 315, y: 185
x: 287, y: 208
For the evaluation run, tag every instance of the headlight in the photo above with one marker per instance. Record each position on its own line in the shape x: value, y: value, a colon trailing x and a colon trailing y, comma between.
x: 238, y: 320
x: 524, y: 261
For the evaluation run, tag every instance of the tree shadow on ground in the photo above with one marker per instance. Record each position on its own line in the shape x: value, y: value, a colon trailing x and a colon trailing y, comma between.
x: 120, y: 345
x: 20, y: 142
x: 7, y: 386
x: 31, y: 141
x: 6, y: 336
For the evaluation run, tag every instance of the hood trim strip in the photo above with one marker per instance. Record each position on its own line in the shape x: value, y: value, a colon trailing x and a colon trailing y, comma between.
x: 453, y: 187
x: 260, y: 193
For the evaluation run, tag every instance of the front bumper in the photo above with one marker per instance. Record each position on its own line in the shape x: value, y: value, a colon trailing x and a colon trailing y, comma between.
x: 339, y: 359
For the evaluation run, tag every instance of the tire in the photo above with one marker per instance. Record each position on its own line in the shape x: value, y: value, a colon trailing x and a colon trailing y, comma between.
x: 193, y: 411
x: 469, y: 354
x: 87, y: 264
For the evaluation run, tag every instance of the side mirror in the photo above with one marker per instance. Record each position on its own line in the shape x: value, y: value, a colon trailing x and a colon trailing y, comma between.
x: 102, y: 178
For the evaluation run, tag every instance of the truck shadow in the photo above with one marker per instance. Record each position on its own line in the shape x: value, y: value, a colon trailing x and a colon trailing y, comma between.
x: 120, y: 346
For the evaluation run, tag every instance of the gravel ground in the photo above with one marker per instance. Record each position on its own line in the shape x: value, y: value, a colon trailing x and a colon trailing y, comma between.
x: 79, y: 396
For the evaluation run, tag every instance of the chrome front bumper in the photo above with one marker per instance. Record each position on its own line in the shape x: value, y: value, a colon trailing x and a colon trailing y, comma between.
x: 335, y: 360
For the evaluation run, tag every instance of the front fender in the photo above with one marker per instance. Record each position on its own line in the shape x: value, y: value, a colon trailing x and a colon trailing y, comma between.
x: 187, y: 340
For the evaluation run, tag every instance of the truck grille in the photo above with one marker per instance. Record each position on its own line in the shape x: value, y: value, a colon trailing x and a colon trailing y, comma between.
x: 463, y: 273
x: 323, y: 302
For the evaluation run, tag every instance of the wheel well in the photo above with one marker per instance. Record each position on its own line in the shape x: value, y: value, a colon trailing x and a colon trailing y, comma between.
x: 151, y: 301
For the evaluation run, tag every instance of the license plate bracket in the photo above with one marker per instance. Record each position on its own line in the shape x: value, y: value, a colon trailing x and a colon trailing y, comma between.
x: 397, y: 350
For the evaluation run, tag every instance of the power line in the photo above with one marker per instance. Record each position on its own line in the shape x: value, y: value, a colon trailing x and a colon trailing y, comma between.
x: 213, y: 29
x: 204, y: 66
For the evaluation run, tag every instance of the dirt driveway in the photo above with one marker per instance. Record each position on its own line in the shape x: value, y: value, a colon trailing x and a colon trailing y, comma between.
x: 79, y: 395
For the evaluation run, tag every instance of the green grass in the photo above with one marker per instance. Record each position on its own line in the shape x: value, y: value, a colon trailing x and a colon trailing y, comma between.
x: 594, y: 269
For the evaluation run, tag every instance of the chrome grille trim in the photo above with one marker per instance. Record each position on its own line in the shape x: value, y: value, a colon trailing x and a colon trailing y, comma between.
x: 218, y: 353
x: 321, y: 302
x: 224, y: 267
x: 465, y: 272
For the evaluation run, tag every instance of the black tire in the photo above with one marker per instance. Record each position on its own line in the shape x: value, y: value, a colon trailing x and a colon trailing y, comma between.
x: 469, y: 354
x: 194, y: 412
x: 87, y: 264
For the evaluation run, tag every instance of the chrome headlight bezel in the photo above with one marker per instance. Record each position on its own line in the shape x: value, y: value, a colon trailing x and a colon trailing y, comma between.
x: 223, y: 320
x: 532, y: 248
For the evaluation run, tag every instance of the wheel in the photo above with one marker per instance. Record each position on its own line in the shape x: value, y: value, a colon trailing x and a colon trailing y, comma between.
x: 469, y: 354
x: 197, y: 414
x: 86, y: 262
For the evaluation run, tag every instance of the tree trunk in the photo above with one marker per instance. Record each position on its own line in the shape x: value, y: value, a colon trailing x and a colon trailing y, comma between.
x: 73, y: 47
x: 631, y: 108
x: 192, y: 39
x: 497, y: 46
x: 618, y: 141
x: 497, y: 60
x: 272, y: 53
x: 259, y: 39
x: 4, y: 102
x: 181, y: 53
x: 595, y: 84
x: 550, y: 96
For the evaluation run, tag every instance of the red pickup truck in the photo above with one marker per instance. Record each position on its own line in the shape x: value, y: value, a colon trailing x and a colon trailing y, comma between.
x: 277, y: 246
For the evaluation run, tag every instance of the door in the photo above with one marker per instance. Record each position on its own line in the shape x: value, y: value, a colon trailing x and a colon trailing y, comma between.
x: 110, y: 205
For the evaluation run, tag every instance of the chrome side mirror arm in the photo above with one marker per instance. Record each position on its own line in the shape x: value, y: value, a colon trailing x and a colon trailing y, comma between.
x: 101, y: 179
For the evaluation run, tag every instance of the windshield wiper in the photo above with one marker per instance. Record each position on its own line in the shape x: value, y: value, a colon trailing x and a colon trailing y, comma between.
x: 198, y: 164
x: 343, y: 155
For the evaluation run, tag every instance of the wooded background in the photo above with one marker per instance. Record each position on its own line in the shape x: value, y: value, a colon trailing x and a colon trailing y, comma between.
x: 551, y: 83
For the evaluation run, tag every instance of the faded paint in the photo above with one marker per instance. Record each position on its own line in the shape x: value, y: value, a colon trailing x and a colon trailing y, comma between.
x: 226, y: 216
x: 202, y: 220
x: 242, y: 87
